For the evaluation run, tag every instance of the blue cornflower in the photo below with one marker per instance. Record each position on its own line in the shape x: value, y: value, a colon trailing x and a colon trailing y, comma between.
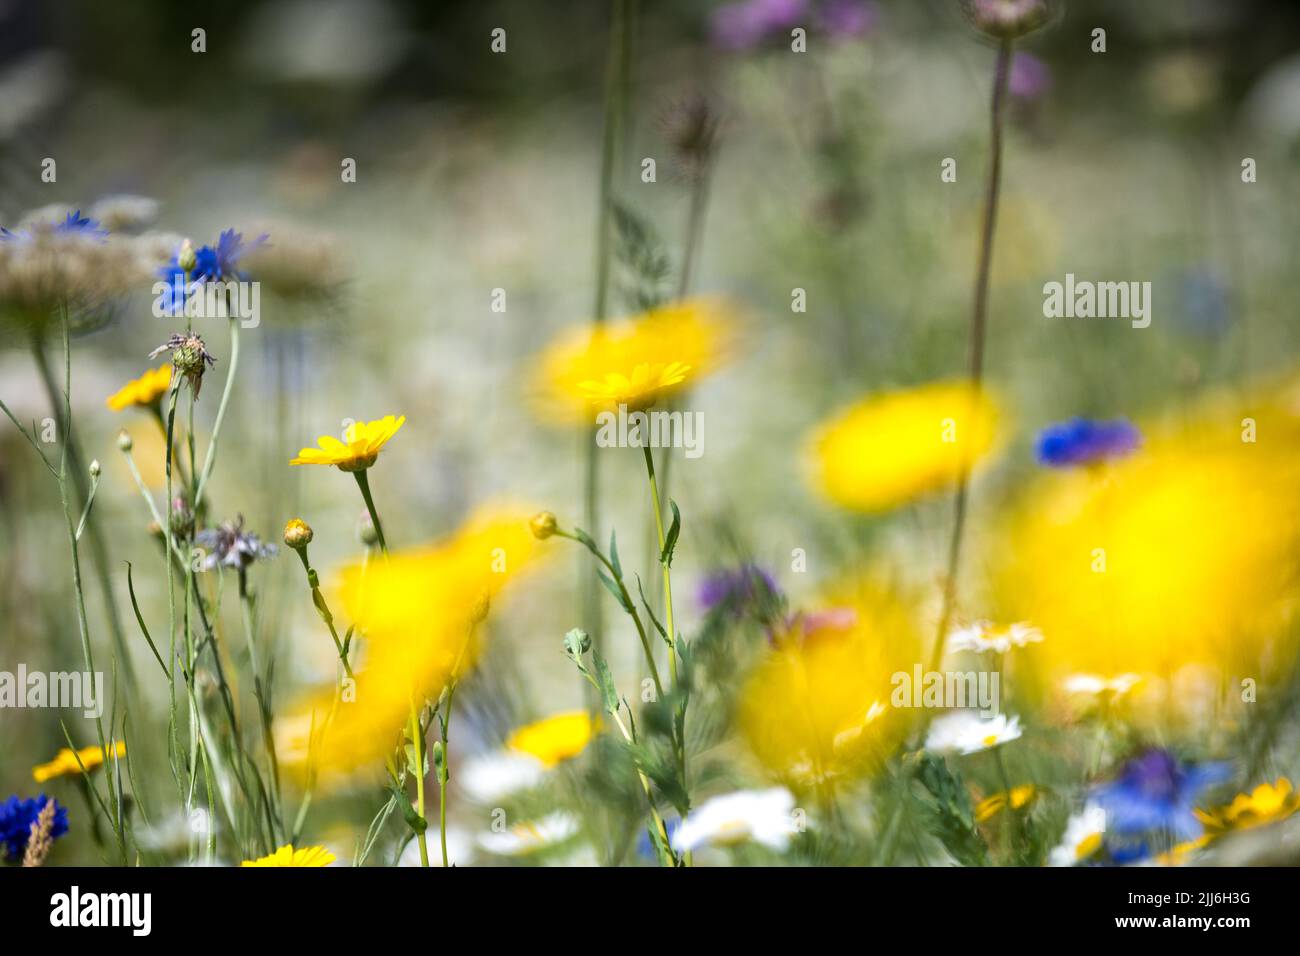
x: 1082, y: 441
x: 735, y: 588
x: 1156, y: 792
x: 219, y: 263
x: 73, y: 223
x: 16, y: 819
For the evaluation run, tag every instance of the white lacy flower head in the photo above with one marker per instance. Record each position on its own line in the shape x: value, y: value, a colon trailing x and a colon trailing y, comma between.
x: 1083, y: 836
x: 966, y: 732
x: 761, y: 816
x: 1094, y: 685
x: 532, y: 836
x: 985, y: 636
x: 490, y: 777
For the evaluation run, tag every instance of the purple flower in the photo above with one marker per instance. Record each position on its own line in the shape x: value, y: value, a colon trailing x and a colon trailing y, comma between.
x: 848, y: 18
x: 1030, y: 78
x: 17, y: 817
x: 736, y: 588
x: 745, y: 25
x: 1156, y: 792
x: 1082, y: 441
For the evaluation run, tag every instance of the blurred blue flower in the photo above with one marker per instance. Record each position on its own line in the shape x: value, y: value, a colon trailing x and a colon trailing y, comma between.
x: 1156, y: 792
x: 744, y: 25
x: 219, y: 263
x: 736, y: 588
x: 1204, y: 302
x: 74, y: 223
x: 1083, y: 441
x: 16, y: 819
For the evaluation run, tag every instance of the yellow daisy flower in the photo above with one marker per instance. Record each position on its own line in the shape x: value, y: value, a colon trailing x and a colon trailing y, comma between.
x: 554, y: 739
x: 892, y: 448
x: 65, y: 762
x: 417, y: 615
x: 1108, y: 566
x: 636, y: 391
x: 1267, y: 803
x: 358, y: 451
x: 633, y: 361
x: 1016, y: 798
x: 834, y: 684
x: 288, y: 856
x: 143, y: 391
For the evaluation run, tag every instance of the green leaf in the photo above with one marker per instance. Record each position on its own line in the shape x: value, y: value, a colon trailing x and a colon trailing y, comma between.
x: 606, y: 682
x: 613, y: 556
x: 615, y: 590
x: 953, y: 819
x: 413, y: 820
x: 653, y: 620
x: 586, y: 540
x: 135, y: 606
x: 666, y: 556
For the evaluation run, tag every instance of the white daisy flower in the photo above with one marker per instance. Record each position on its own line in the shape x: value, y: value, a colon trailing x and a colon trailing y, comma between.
x: 966, y: 732
x: 1094, y: 685
x: 763, y: 816
x: 525, y: 838
x: 985, y: 636
x: 1083, y: 835
x: 493, y: 776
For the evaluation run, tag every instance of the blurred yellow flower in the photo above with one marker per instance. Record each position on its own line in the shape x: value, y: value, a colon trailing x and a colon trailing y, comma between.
x: 994, y: 804
x: 65, y: 762
x: 1177, y: 563
x: 894, y: 447
x: 632, y: 361
x: 358, y: 451
x: 817, y: 708
x: 636, y: 391
x: 554, y: 739
x: 288, y: 856
x: 143, y: 391
x: 418, y: 614
x: 1267, y: 803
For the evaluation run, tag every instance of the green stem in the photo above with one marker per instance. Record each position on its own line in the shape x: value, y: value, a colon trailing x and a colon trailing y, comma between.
x: 83, y: 625
x: 364, y: 484
x: 210, y: 458
x: 669, y: 624
x: 417, y: 740
x: 444, y: 722
x: 979, y: 321
x: 617, y: 81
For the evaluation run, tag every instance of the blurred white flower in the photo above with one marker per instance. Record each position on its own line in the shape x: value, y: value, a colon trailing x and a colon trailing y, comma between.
x: 1094, y: 685
x: 966, y: 732
x: 524, y: 838
x: 1082, y: 838
x: 763, y: 816
x: 490, y: 777
x: 459, y: 848
x: 985, y: 636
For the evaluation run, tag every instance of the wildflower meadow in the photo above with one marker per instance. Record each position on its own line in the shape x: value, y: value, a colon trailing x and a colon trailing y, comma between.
x: 757, y: 433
